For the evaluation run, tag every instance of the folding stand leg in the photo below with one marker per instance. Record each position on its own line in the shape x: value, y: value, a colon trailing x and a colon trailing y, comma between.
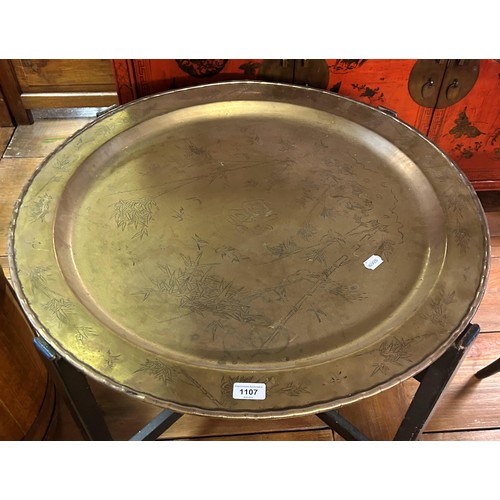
x: 489, y: 370
x: 433, y: 381
x: 78, y: 394
x: 342, y: 426
x: 157, y: 426
x: 83, y: 405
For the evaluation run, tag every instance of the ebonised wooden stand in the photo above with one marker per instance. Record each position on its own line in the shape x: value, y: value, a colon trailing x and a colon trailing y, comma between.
x: 74, y: 386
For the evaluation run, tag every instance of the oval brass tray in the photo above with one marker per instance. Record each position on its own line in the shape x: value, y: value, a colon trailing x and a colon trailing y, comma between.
x: 249, y: 233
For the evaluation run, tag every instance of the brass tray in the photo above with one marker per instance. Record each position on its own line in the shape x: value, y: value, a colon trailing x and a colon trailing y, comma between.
x: 208, y: 244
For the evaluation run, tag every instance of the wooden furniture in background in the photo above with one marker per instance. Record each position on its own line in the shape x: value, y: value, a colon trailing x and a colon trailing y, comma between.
x: 56, y: 83
x: 27, y: 394
x: 5, y: 118
x: 454, y: 102
x: 469, y: 130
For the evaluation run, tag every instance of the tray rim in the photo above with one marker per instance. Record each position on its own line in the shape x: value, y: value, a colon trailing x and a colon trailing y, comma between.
x: 314, y: 408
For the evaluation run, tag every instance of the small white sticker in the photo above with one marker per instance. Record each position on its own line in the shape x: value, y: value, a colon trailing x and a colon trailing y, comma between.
x: 373, y: 262
x: 248, y: 390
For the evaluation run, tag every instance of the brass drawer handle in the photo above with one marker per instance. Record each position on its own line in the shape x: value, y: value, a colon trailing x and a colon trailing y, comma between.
x: 453, y: 90
x: 428, y: 89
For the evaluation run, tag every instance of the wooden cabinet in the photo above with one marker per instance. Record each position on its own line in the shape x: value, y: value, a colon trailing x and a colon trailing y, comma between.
x: 453, y: 102
x: 432, y: 96
x: 56, y: 83
x: 5, y: 118
x: 27, y: 392
x: 141, y: 77
x: 469, y: 130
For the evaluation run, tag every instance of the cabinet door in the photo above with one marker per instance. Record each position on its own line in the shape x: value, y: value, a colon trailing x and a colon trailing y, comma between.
x: 378, y: 82
x: 381, y: 82
x: 141, y: 77
x: 5, y: 118
x: 61, y: 83
x: 469, y: 130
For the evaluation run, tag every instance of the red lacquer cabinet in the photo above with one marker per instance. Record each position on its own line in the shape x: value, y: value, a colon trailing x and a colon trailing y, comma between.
x: 455, y: 103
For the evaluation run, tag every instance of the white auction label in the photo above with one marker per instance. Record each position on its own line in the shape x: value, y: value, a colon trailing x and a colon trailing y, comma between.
x: 373, y: 262
x: 249, y: 390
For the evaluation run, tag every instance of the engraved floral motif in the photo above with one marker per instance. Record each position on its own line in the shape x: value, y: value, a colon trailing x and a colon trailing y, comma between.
x: 40, y: 208
x: 158, y: 370
x: 39, y: 278
x: 319, y: 313
x: 61, y: 308
x: 350, y: 293
x: 201, y: 291
x: 170, y: 375
x: 336, y: 378
x: 307, y: 231
x: 62, y: 163
x: 393, y: 352
x: 462, y: 239
x: 230, y: 253
x: 134, y: 213
x: 455, y: 203
x: 111, y: 359
x: 284, y: 248
x: 254, y: 216
x: 326, y: 212
x: 439, y: 307
x: 293, y: 389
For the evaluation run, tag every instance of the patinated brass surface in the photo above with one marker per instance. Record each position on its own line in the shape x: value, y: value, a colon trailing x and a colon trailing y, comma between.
x: 223, y: 234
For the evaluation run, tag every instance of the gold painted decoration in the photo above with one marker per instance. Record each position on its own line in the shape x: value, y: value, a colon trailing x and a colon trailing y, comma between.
x: 249, y: 249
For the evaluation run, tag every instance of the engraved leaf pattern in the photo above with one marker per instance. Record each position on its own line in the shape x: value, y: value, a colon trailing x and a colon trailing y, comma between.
x: 293, y: 389
x: 40, y: 208
x: 158, y: 370
x: 439, y: 306
x: 111, y: 359
x: 336, y: 378
x: 462, y: 239
x: 83, y: 333
x: 284, y: 248
x: 59, y: 307
x: 201, y: 291
x: 39, y: 277
x: 169, y: 375
x: 136, y: 214
x: 62, y: 309
x: 393, y: 352
x: 307, y: 231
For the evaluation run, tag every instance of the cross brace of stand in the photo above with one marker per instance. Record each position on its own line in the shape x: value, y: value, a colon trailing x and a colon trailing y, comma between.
x: 433, y: 381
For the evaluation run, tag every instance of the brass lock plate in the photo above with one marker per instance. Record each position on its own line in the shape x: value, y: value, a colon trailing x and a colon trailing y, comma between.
x: 425, y: 81
x: 312, y: 73
x: 458, y: 81
x: 307, y: 72
x: 439, y: 83
x: 277, y: 70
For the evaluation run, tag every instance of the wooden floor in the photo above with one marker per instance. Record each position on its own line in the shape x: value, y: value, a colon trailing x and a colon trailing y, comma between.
x: 469, y: 410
